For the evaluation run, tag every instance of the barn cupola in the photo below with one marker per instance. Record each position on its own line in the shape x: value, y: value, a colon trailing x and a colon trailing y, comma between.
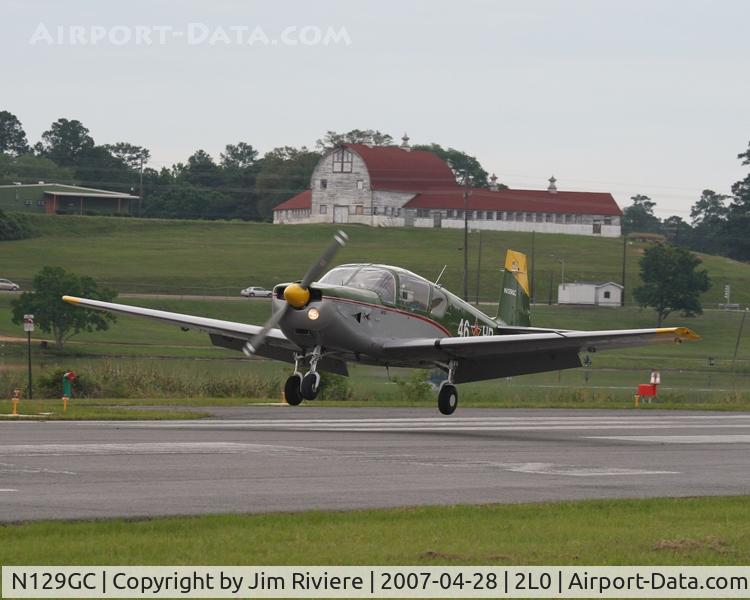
x: 405, y: 142
x: 493, y: 183
x: 552, y: 188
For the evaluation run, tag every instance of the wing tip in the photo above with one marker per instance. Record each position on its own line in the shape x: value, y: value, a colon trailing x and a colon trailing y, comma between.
x: 680, y: 333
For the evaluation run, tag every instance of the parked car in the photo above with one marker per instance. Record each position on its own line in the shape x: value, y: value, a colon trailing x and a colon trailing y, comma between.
x: 8, y: 285
x: 256, y: 292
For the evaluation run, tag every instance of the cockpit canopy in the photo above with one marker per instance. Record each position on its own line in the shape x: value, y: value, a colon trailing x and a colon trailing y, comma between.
x: 365, y: 277
x: 393, y: 286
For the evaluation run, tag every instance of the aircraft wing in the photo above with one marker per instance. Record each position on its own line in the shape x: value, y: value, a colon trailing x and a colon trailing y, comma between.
x: 489, y: 357
x: 226, y: 334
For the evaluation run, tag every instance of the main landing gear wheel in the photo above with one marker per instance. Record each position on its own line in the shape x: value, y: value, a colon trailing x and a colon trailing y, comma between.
x: 447, y: 399
x: 292, y: 393
x: 310, y: 385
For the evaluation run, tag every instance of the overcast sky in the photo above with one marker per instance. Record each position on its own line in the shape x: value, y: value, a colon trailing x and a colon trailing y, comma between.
x: 629, y: 97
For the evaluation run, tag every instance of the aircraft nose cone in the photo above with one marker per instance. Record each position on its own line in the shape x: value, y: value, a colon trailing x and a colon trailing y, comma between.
x: 296, y: 296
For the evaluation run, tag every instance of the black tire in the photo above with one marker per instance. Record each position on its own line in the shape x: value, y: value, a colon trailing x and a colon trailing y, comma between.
x: 292, y: 393
x: 447, y: 399
x: 310, y: 386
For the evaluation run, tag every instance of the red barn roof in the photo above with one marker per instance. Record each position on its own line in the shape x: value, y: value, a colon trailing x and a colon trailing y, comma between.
x: 301, y: 200
x: 588, y: 203
x: 398, y: 169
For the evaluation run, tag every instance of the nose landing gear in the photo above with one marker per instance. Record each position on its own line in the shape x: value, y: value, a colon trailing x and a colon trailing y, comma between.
x: 297, y: 387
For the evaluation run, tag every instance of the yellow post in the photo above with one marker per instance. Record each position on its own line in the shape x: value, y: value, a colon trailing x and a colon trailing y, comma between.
x: 637, y: 399
x: 16, y: 400
x: 65, y: 403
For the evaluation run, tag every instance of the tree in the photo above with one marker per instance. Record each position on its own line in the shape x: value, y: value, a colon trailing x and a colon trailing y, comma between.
x: 709, y: 218
x: 460, y: 163
x: 59, y: 318
x: 30, y: 168
x: 671, y: 281
x: 240, y: 166
x: 333, y: 139
x: 182, y: 200
x: 12, y: 136
x: 239, y: 156
x: 284, y: 172
x: 639, y: 216
x: 201, y: 170
x: 98, y: 168
x: 738, y: 216
x: 64, y: 142
x: 130, y: 154
x: 677, y: 231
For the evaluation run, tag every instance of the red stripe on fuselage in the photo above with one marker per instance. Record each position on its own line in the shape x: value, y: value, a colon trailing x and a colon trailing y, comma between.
x: 395, y: 310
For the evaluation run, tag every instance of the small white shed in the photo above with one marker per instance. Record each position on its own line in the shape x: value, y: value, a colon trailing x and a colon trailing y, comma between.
x: 584, y: 292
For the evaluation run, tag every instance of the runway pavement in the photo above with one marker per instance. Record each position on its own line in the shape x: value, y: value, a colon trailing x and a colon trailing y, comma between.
x: 279, y: 458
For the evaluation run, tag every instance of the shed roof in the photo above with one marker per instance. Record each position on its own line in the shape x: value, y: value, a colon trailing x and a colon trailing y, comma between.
x: 110, y: 195
x: 301, y: 200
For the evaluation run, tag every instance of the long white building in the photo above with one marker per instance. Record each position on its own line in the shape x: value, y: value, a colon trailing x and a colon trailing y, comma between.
x: 389, y: 186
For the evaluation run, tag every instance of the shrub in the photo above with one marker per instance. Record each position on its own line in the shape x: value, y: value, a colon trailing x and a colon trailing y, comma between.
x: 14, y: 227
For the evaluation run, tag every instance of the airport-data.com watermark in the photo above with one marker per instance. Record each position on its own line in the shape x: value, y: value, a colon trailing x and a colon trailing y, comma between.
x: 191, y: 34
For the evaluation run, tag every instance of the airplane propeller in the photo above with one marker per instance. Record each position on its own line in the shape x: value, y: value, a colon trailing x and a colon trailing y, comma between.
x: 297, y: 295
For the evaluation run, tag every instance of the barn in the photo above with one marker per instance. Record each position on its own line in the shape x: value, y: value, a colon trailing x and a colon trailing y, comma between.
x: 395, y: 186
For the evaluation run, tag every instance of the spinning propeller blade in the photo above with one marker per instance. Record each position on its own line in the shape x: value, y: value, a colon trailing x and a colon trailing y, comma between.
x: 297, y: 295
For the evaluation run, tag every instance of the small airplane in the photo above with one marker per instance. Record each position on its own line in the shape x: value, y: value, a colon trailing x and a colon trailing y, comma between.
x: 383, y: 315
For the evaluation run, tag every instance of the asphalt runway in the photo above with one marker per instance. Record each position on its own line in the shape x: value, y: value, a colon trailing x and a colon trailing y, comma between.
x: 279, y: 458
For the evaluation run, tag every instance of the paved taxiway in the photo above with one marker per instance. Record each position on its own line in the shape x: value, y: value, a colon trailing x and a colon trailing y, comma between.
x: 279, y: 458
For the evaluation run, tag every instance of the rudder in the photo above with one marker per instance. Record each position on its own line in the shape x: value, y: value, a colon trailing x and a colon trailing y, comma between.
x: 513, y: 307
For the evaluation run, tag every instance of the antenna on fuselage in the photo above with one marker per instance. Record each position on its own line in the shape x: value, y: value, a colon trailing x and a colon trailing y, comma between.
x: 441, y: 274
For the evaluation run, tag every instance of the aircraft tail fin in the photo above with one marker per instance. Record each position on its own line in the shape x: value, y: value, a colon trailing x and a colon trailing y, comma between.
x: 513, y: 308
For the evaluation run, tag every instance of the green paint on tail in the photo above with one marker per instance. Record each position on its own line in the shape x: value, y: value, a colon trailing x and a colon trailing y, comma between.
x: 513, y: 308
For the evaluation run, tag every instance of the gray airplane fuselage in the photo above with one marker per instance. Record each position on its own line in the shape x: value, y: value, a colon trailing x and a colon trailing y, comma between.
x: 354, y: 322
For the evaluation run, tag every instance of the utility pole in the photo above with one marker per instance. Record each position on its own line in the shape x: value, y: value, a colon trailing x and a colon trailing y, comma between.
x: 466, y: 236
x: 737, y: 344
x: 624, y: 260
x: 140, y: 192
x: 479, y: 265
x: 28, y: 327
x: 533, y: 288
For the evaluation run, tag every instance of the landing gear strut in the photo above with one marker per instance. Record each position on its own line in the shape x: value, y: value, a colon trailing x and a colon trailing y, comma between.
x: 311, y: 381
x: 448, y: 394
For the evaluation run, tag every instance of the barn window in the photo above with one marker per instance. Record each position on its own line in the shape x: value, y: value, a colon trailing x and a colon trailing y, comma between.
x: 608, y: 220
x: 342, y: 161
x: 323, y: 184
x: 323, y: 209
x: 360, y: 184
x: 606, y: 295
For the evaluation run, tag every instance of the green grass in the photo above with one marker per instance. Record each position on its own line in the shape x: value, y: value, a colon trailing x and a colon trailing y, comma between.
x: 88, y: 410
x: 216, y: 258
x: 691, y: 531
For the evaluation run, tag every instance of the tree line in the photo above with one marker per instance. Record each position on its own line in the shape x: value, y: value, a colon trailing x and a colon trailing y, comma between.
x: 719, y: 223
x: 241, y: 184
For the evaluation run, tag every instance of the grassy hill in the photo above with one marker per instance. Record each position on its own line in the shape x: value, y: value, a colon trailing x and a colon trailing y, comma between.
x: 217, y: 258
